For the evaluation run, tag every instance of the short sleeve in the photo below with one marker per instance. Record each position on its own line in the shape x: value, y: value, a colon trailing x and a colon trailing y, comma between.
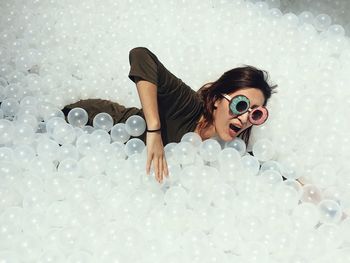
x: 143, y: 65
x: 179, y: 106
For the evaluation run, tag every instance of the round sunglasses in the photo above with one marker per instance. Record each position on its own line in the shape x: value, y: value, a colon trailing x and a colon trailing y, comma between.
x: 240, y: 104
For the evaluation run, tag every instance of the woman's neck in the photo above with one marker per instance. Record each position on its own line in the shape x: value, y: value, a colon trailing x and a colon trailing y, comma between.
x: 205, y: 132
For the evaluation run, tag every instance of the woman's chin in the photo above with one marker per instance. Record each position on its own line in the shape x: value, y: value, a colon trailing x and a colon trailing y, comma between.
x: 227, y: 137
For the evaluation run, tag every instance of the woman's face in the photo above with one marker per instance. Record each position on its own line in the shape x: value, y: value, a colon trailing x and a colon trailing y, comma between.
x: 223, y: 118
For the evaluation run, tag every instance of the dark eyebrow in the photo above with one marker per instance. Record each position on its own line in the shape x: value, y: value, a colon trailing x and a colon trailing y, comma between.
x: 254, y: 106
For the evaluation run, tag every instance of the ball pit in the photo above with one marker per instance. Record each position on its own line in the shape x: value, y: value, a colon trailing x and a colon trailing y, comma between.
x: 70, y: 192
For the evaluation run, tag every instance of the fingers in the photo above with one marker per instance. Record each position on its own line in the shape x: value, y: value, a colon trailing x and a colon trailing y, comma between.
x: 148, y: 164
x: 156, y: 168
x: 165, y: 166
x: 160, y: 168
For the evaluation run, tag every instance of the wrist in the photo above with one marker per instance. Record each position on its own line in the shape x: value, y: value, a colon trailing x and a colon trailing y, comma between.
x: 153, y: 130
x: 153, y: 125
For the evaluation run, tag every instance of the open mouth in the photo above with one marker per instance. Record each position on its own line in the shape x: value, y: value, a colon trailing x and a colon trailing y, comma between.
x: 235, y: 128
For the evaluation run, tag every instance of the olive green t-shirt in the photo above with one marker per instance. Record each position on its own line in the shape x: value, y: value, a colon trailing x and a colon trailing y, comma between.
x: 179, y: 106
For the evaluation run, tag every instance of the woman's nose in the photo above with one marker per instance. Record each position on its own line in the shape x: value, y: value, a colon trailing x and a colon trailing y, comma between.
x: 244, y: 118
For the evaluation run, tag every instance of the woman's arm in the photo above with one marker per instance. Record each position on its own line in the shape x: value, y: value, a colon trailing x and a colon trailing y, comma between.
x: 155, y: 149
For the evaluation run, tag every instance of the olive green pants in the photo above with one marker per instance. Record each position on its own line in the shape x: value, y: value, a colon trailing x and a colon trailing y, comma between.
x: 118, y: 112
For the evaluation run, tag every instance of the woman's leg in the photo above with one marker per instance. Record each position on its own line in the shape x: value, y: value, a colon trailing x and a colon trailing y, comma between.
x: 118, y: 112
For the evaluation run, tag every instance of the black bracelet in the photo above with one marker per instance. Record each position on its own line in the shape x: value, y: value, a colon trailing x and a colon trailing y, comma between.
x: 154, y: 130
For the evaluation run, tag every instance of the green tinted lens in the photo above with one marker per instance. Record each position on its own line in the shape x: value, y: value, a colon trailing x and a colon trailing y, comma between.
x: 239, y: 104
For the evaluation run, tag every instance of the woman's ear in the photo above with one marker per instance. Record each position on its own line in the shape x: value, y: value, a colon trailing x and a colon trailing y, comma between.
x: 216, y: 104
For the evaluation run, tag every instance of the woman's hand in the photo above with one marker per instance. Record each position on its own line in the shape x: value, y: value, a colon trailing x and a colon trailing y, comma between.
x: 156, y: 155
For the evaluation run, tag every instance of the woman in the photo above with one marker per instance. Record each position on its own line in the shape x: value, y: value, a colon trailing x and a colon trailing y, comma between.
x: 227, y: 107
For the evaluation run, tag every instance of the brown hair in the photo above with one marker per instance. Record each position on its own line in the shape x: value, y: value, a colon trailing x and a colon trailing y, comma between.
x: 231, y: 81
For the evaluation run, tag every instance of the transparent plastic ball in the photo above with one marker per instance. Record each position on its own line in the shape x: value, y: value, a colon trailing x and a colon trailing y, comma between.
x: 119, y: 133
x: 323, y: 175
x: 271, y: 177
x: 293, y: 184
x: 237, y: 144
x: 222, y: 195
x: 84, y: 144
x: 209, y: 150
x: 6, y: 131
x: 64, y: 133
x: 250, y: 164
x: 78, y: 117
x: 24, y: 134
x: 175, y: 194
x: 192, y: 138
x: 330, y: 211
x: 311, y: 194
x: 264, y: 150
x: 100, y: 138
x: 336, y: 30
x: 271, y: 165
x: 10, y: 107
x: 103, y: 121
x: 292, y: 166
x: 134, y: 146
x: 99, y: 186
x: 68, y: 151
x: 52, y: 123
x: 6, y: 154
x: 185, y: 153
x: 288, y: 197
x: 14, y: 91
x: 69, y: 167
x: 169, y: 150
x: 52, y: 112
x: 48, y: 148
x: 28, y: 119
x: 29, y: 101
x: 273, y: 3
x: 306, y: 215
x: 135, y: 125
x: 229, y: 156
x: 198, y: 199
x: 275, y: 12
x: 322, y: 22
x: 306, y: 17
